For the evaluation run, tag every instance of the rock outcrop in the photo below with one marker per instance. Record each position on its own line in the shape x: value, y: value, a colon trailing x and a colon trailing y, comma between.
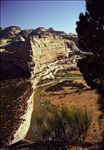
x: 23, y: 51
x: 37, y: 55
x: 68, y: 36
x: 47, y: 48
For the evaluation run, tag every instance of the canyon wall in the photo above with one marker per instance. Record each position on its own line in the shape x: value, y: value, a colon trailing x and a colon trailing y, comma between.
x: 47, y: 49
x: 36, y: 55
x: 25, y: 51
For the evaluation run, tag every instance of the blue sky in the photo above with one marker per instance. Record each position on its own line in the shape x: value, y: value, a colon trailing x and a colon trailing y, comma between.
x: 61, y: 15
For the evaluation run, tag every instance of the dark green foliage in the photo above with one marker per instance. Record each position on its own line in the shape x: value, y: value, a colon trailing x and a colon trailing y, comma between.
x: 90, y: 29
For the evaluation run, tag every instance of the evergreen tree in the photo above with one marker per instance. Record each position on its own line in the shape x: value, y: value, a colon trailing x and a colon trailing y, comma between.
x: 90, y: 29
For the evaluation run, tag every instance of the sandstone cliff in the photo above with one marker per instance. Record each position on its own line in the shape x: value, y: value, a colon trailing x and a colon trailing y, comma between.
x: 37, y: 55
x: 23, y: 51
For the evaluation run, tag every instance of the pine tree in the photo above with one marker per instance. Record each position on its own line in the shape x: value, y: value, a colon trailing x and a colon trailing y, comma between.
x: 90, y: 29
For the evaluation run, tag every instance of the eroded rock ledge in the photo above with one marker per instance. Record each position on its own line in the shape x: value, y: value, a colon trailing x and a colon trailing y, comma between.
x: 23, y: 51
x: 37, y: 55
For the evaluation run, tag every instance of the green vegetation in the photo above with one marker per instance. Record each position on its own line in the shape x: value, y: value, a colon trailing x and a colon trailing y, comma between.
x: 68, y: 75
x: 65, y: 126
x: 90, y: 29
x: 62, y: 126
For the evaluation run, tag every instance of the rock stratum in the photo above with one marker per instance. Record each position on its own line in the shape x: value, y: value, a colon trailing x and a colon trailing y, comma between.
x: 33, y: 57
x: 24, y: 50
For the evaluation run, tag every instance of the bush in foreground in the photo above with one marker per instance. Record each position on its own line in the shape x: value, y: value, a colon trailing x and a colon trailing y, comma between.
x: 64, y: 126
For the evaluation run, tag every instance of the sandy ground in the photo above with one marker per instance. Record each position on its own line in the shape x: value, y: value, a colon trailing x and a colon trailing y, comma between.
x: 78, y: 94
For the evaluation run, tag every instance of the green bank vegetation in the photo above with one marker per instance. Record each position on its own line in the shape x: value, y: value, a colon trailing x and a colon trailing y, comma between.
x: 68, y: 75
x: 66, y: 126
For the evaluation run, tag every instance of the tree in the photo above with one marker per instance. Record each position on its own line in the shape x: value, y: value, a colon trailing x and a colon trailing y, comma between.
x: 90, y: 29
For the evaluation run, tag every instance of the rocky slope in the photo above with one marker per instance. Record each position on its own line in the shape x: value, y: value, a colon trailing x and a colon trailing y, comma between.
x: 37, y: 55
x: 23, y: 52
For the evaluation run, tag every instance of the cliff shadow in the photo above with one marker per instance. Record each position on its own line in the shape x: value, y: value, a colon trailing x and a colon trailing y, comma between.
x: 101, y: 101
x: 16, y: 89
x: 14, y: 61
x: 60, y: 86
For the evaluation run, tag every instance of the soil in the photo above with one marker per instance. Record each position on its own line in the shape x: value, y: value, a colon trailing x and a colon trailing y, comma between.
x: 14, y: 96
x: 77, y: 93
x: 69, y: 92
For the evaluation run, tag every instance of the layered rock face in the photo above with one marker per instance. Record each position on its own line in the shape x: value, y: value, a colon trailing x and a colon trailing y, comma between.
x: 37, y: 55
x: 15, y: 53
x: 48, y: 48
x: 25, y: 51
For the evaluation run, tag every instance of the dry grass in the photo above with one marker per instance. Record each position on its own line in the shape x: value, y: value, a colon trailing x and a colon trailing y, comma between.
x: 77, y: 93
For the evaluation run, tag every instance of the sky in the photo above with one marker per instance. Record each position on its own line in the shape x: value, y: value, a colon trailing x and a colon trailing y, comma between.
x: 60, y: 15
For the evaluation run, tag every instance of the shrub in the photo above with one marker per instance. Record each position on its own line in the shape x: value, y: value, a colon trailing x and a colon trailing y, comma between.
x: 66, y: 126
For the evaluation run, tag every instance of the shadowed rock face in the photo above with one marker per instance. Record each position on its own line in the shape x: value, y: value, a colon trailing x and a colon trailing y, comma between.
x: 23, y: 50
x: 15, y: 53
x: 14, y: 100
x: 38, y: 54
x: 10, y: 32
x: 14, y: 32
